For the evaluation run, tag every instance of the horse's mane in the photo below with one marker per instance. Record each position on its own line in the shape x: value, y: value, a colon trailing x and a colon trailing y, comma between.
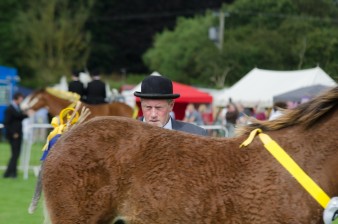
x: 305, y: 115
x: 66, y: 95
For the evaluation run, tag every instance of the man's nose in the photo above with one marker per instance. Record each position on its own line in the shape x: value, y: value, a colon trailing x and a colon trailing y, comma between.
x: 153, y: 112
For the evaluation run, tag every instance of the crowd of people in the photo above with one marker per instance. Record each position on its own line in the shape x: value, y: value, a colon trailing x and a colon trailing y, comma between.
x: 232, y: 115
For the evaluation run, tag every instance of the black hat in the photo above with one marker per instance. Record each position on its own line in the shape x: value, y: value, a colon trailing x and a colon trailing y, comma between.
x: 156, y: 87
x: 76, y: 73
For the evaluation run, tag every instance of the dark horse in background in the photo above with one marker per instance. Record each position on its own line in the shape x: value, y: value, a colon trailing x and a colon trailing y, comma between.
x: 56, y: 100
x: 122, y: 171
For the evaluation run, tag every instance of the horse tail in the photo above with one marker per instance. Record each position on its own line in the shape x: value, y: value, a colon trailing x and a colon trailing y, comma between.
x: 37, y: 193
x: 135, y: 113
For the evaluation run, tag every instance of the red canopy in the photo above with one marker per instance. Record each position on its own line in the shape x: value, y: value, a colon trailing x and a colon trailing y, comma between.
x: 188, y: 95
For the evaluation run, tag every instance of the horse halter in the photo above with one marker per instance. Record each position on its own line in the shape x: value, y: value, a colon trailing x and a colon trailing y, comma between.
x: 27, y: 103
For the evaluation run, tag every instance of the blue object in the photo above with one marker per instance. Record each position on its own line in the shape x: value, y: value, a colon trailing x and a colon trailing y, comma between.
x: 8, y: 86
x: 50, y: 145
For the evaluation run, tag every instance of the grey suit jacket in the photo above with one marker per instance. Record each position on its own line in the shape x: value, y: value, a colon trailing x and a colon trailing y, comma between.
x: 187, y: 127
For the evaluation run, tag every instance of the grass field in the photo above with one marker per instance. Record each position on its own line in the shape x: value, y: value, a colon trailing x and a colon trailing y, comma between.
x: 16, y: 194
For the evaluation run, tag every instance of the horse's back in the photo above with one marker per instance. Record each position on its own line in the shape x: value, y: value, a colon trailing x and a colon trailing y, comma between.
x: 110, y: 109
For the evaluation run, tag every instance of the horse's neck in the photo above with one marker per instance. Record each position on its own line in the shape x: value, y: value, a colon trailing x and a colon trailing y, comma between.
x: 55, y: 104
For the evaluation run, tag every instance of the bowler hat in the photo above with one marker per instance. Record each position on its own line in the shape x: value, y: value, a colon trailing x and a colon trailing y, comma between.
x: 156, y: 87
x: 76, y: 73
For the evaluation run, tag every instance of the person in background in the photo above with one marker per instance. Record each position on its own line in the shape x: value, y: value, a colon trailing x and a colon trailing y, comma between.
x: 13, y: 126
x: 96, y: 90
x: 231, y: 117
x: 260, y: 113
x: 157, y: 101
x: 277, y: 110
x: 192, y: 115
x: 76, y: 86
x: 205, y: 114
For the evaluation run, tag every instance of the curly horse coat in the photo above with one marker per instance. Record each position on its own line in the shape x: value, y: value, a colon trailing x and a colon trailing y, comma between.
x: 118, y: 170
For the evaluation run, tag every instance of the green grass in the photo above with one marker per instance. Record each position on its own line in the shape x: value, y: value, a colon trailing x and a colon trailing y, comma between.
x: 16, y: 194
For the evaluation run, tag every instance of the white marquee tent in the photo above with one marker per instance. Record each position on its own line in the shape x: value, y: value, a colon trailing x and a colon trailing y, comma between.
x: 259, y: 86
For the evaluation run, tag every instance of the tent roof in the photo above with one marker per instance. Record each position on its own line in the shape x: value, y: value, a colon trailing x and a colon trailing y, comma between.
x: 220, y: 97
x: 188, y: 94
x: 300, y: 94
x: 259, y: 86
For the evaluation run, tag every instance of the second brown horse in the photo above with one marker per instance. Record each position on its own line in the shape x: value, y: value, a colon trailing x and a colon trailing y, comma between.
x: 55, y: 101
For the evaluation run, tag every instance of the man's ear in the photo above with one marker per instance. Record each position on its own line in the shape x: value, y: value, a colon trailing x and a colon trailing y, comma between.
x: 171, y: 104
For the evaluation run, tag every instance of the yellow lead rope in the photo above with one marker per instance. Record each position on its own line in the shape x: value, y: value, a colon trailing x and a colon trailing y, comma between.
x: 290, y: 165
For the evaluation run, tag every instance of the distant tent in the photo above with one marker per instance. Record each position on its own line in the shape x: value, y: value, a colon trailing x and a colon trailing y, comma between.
x: 9, y: 80
x: 219, y: 96
x: 300, y: 94
x: 259, y: 86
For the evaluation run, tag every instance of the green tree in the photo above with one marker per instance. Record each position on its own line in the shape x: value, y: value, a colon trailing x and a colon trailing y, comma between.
x: 9, y: 10
x: 277, y: 35
x: 51, y: 39
x: 176, y: 53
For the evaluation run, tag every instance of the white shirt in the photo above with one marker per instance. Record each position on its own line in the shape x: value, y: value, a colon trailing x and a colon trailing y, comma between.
x: 168, y: 125
x: 275, y: 114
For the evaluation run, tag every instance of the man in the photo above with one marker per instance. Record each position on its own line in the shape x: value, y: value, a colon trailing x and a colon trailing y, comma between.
x: 157, y: 101
x: 96, y: 90
x: 13, y: 125
x: 76, y: 85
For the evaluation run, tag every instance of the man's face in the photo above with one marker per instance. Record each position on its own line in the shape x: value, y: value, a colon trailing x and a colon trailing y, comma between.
x: 156, y: 112
x: 19, y: 99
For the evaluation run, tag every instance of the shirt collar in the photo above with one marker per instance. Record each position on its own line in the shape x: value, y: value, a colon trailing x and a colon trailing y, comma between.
x: 168, y: 125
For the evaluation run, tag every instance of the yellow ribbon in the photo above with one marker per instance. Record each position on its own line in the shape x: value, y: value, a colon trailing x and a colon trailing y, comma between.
x: 59, y: 125
x: 290, y: 165
x: 135, y: 113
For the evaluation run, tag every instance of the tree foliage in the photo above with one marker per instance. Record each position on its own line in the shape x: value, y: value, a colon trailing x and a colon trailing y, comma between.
x: 123, y: 30
x: 9, y: 10
x: 45, y: 39
x: 277, y: 35
x: 50, y: 37
x: 178, y: 48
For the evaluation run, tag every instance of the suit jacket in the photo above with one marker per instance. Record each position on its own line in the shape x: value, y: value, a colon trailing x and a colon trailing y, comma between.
x: 188, y: 127
x: 76, y: 87
x: 13, y: 121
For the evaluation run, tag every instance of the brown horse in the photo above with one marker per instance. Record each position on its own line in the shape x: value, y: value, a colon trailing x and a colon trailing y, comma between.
x: 122, y: 171
x: 55, y: 101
